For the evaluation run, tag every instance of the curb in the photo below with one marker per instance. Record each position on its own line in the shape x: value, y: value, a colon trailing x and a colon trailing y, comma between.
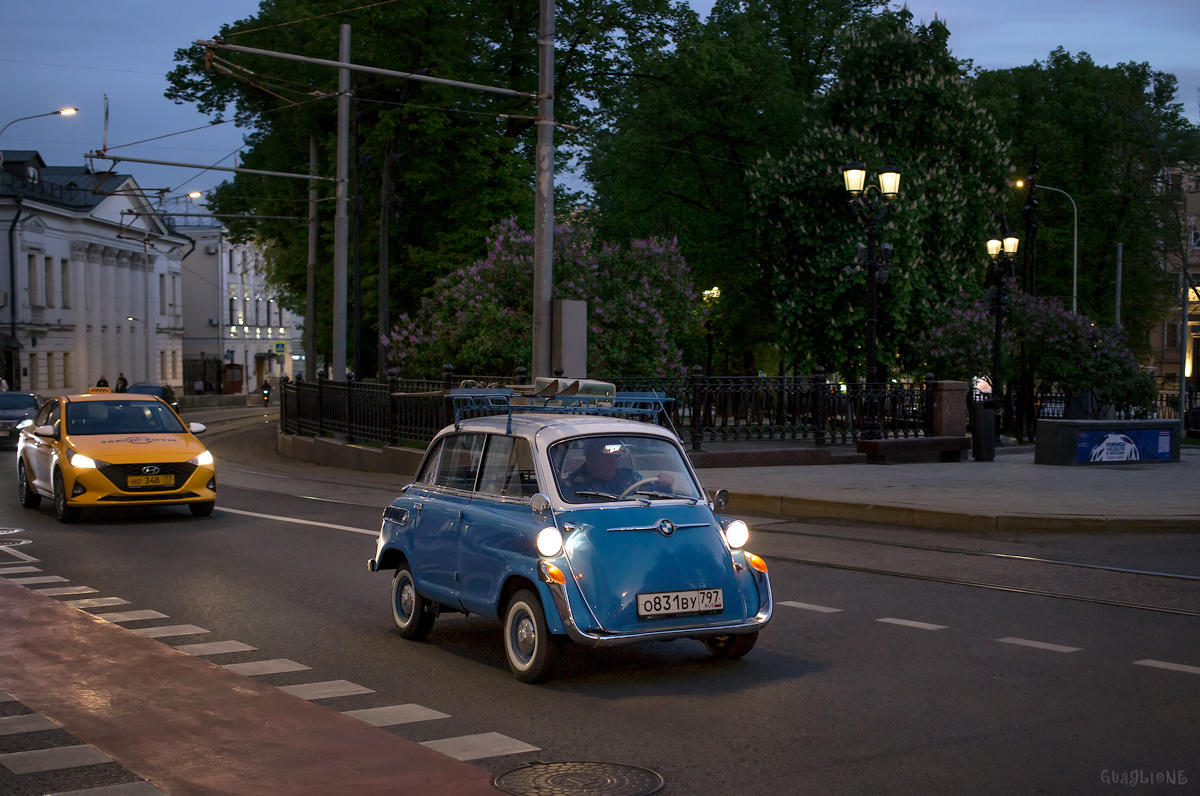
x: 808, y: 508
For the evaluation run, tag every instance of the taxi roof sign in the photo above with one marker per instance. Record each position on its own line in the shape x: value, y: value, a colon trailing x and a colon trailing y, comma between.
x: 92, y: 390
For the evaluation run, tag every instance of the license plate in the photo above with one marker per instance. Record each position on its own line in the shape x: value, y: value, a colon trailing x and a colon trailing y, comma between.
x: 150, y: 480
x: 657, y: 605
x: 5, y: 433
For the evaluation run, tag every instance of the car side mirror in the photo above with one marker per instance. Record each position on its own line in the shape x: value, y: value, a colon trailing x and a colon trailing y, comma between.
x: 46, y: 431
x: 26, y: 423
x: 197, y: 428
x: 539, y: 503
x: 721, y: 499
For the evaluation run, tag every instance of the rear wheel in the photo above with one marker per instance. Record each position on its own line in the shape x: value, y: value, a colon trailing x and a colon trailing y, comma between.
x: 412, y: 613
x: 530, y: 647
x: 202, y: 509
x: 731, y: 647
x: 62, y: 509
x: 29, y: 498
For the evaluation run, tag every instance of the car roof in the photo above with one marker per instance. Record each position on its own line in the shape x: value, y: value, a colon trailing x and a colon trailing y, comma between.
x: 110, y: 396
x: 551, y: 427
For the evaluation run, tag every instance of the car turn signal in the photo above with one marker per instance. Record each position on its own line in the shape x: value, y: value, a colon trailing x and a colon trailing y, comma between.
x: 555, y: 574
x: 755, y: 561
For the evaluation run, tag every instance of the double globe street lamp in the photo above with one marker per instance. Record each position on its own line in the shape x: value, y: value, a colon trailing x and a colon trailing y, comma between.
x: 1001, y: 251
x: 873, y: 203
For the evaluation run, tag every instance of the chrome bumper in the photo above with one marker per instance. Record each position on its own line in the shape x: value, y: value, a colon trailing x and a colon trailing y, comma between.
x: 592, y: 638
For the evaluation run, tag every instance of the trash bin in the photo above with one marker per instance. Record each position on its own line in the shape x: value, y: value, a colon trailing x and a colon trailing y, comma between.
x: 983, y: 434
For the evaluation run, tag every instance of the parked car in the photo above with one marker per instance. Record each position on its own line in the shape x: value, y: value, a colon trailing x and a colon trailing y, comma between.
x: 112, y: 449
x: 15, y: 407
x: 569, y: 524
x: 163, y: 391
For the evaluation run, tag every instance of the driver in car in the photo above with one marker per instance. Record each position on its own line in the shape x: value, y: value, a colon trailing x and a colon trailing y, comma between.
x: 601, y: 475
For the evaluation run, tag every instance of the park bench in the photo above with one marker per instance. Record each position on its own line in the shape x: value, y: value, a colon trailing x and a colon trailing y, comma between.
x: 907, y: 450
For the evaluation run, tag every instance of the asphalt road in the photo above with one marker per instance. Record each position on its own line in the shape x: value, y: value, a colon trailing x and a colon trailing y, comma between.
x: 869, y: 683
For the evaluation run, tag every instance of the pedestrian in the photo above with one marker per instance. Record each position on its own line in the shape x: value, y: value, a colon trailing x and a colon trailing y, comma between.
x: 102, y: 382
x: 122, y: 383
x: 3, y: 385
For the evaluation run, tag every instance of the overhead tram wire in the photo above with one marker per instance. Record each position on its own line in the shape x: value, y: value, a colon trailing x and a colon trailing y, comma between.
x: 309, y: 19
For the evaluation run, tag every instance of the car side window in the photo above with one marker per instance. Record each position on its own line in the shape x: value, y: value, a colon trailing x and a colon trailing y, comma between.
x: 55, y: 415
x: 508, y: 468
x: 431, y: 465
x: 460, y: 461
x: 44, y: 413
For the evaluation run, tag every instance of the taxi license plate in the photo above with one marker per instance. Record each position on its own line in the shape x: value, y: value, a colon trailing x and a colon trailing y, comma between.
x: 657, y: 605
x: 150, y: 480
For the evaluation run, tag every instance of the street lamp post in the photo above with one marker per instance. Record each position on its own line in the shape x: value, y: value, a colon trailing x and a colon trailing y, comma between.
x: 1001, y: 250
x: 873, y: 203
x: 60, y: 112
x: 1075, y: 250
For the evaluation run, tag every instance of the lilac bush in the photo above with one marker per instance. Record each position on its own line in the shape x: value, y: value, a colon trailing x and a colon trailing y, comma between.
x: 642, y: 307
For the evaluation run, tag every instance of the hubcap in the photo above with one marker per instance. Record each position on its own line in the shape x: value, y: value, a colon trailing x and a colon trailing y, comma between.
x: 407, y: 599
x: 526, y: 636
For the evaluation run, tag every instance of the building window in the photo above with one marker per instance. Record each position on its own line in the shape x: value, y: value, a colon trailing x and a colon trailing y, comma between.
x: 68, y: 376
x: 174, y: 364
x: 34, y: 376
x: 1172, y: 335
x: 65, y: 281
x: 50, y: 385
x: 232, y: 314
x: 257, y: 303
x: 162, y: 363
x: 231, y: 262
x: 35, y: 295
x: 162, y: 294
x: 49, y: 282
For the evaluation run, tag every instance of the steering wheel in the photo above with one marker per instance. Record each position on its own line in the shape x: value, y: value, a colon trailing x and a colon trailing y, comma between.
x: 633, y: 487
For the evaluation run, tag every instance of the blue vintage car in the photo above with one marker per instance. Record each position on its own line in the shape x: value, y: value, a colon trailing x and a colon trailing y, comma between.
x: 570, y: 521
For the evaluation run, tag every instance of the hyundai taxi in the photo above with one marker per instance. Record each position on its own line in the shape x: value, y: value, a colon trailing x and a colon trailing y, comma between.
x: 576, y: 521
x: 113, y: 449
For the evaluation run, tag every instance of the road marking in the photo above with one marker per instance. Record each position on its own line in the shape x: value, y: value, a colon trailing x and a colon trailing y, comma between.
x: 1040, y: 645
x: 52, y: 759
x: 140, y: 788
x: 131, y: 616
x: 18, y: 570
x: 215, y: 648
x: 298, y: 521
x: 60, y: 591
x: 1174, y: 667
x: 275, y: 666
x: 39, y: 579
x: 32, y: 722
x: 810, y: 607
x: 326, y: 690
x: 476, y: 747
x: 396, y: 714
x: 911, y: 623
x: 96, y: 602
x: 164, y: 631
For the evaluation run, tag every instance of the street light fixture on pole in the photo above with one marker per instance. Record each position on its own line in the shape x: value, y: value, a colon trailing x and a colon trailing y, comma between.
x: 61, y: 112
x: 1075, y: 251
x: 1001, y: 250
x: 873, y: 203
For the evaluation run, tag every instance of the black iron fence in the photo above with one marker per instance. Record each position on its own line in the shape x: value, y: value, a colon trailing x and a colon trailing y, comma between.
x: 702, y: 409
x: 1052, y: 405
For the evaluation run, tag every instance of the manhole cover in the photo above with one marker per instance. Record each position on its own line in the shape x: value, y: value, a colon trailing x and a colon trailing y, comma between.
x: 579, y: 779
x: 11, y: 530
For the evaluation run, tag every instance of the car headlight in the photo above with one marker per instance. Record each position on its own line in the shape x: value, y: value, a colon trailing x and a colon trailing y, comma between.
x: 737, y: 534
x: 81, y: 462
x: 203, y: 459
x: 549, y: 542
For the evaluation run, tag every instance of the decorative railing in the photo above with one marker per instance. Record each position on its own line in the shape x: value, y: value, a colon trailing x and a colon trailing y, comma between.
x: 702, y: 409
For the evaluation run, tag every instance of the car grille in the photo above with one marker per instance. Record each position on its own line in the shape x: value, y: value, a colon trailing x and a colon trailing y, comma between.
x: 118, y: 473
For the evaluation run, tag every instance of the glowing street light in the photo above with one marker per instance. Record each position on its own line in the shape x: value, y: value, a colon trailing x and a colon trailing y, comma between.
x: 61, y: 112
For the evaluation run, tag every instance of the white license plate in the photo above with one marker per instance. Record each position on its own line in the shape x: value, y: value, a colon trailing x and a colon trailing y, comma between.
x: 657, y: 605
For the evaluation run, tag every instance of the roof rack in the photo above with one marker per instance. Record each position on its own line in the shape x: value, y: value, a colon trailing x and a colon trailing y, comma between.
x: 507, y: 401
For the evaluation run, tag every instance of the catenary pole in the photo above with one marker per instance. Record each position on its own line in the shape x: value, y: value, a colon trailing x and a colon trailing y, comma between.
x: 340, y: 220
x: 543, y: 224
x: 310, y: 308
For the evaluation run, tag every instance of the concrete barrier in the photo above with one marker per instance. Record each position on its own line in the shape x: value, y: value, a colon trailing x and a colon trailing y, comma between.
x: 335, y: 453
x: 200, y: 401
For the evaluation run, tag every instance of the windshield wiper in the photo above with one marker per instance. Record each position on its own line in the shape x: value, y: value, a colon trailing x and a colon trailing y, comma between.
x: 589, y: 493
x: 665, y: 496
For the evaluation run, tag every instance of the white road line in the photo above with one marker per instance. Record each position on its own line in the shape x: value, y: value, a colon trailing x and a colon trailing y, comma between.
x: 396, y: 714
x: 326, y: 690
x: 810, y: 607
x: 298, y: 521
x: 131, y: 616
x: 1040, y: 645
x: 1174, y: 667
x: 164, y: 631
x: 39, y: 579
x: 32, y: 722
x: 215, y: 648
x: 911, y: 623
x: 96, y: 602
x: 60, y: 591
x: 275, y: 666
x: 17, y: 570
x: 141, y: 788
x: 476, y: 747
x: 52, y: 759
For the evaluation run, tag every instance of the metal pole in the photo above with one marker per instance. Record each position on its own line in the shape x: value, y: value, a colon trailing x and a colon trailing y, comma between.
x: 310, y: 309
x: 385, y: 211
x: 146, y: 307
x: 1184, y: 339
x: 357, y: 314
x: 1075, y: 254
x: 1119, y: 248
x: 204, y: 167
x: 340, y: 221
x: 543, y: 226
x: 872, y: 298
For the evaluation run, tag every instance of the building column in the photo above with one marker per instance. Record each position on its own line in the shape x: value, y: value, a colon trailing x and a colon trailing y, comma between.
x: 95, y: 349
x: 126, y: 290
x: 77, y: 379
x: 152, y: 312
x: 109, y: 313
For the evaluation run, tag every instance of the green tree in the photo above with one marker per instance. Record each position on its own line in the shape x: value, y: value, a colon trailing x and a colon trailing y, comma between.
x: 1107, y: 135
x: 899, y: 95
x: 459, y: 161
x: 679, y: 129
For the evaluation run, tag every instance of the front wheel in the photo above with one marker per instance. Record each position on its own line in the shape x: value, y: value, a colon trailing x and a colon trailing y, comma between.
x: 29, y: 498
x: 202, y: 509
x: 731, y: 647
x: 62, y: 509
x: 530, y: 647
x: 412, y: 613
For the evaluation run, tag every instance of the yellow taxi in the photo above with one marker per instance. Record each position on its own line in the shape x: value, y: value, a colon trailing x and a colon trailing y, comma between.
x: 112, y: 449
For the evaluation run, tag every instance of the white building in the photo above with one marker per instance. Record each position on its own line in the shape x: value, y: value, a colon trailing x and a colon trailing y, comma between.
x: 237, y: 334
x: 93, y: 281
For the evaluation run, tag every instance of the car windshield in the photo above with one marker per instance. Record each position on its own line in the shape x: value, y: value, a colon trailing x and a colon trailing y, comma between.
x: 121, y: 417
x: 599, y: 469
x: 17, y: 400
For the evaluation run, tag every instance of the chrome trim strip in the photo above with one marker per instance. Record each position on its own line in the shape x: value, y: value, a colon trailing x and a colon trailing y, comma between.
x: 654, y: 527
